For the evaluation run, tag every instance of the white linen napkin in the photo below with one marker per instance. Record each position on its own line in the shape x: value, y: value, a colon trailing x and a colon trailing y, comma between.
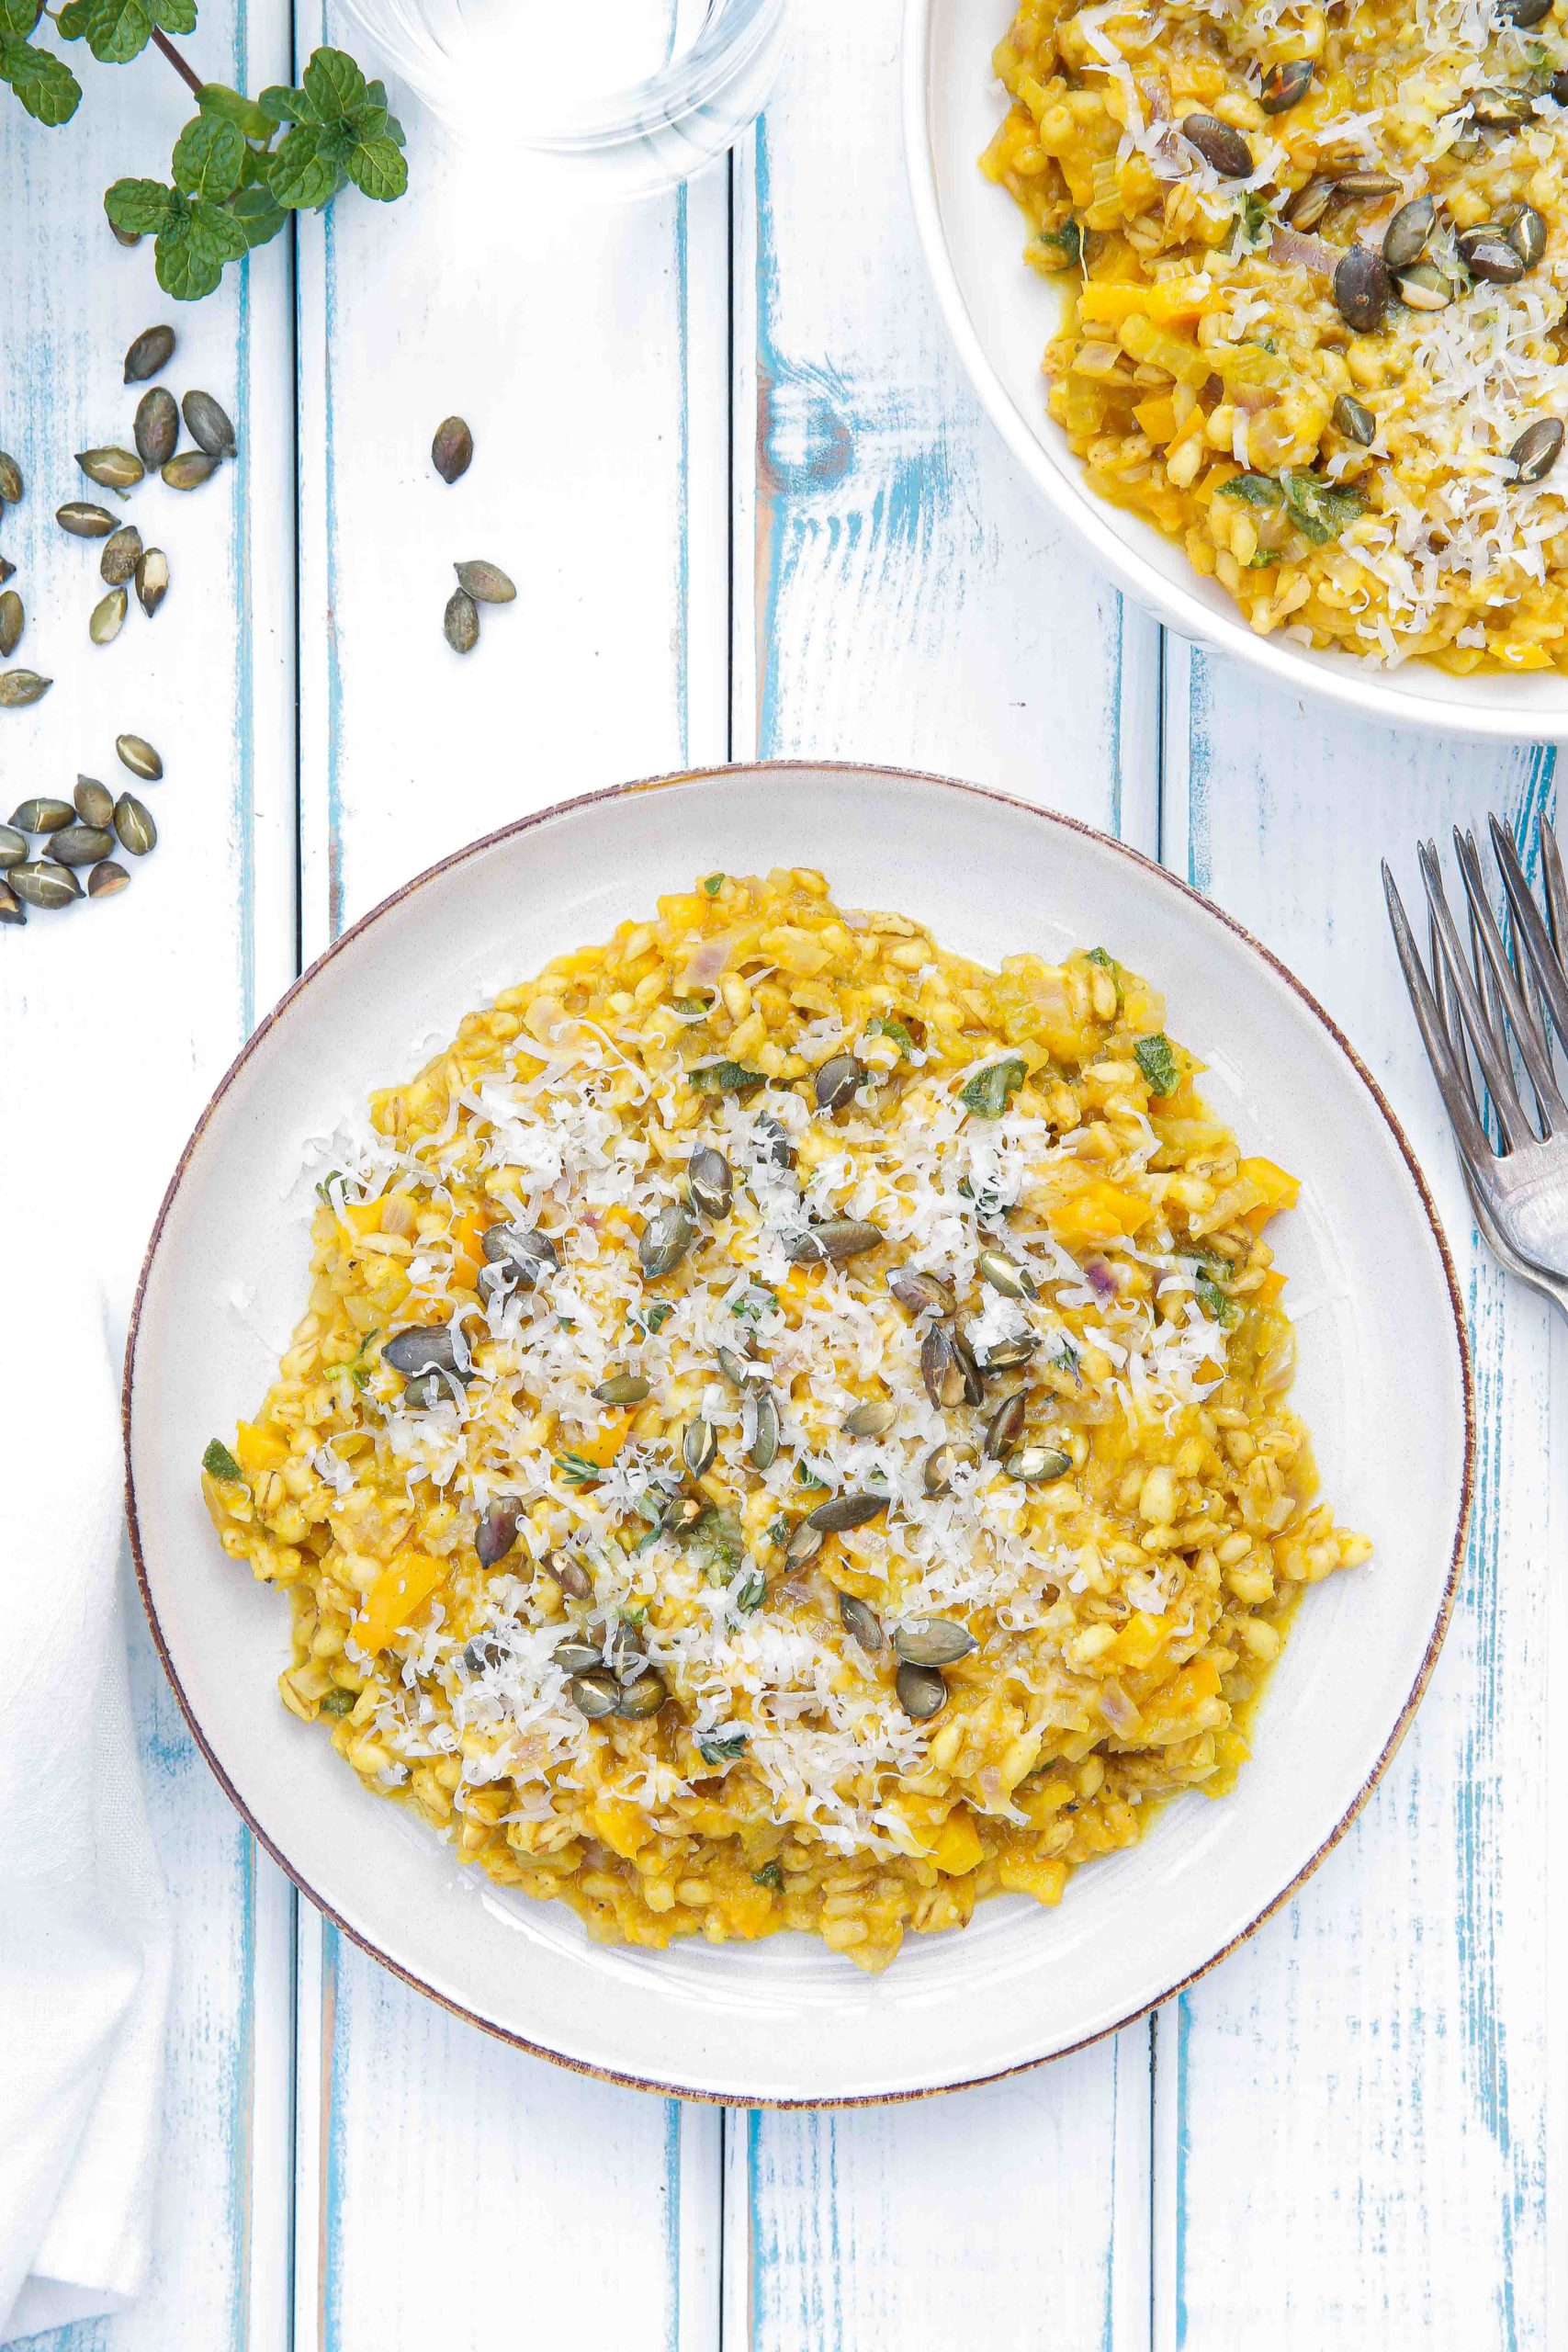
x: 84, y: 1941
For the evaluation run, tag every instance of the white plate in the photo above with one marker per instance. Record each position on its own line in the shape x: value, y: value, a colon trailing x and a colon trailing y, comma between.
x: 1002, y: 314
x: 1383, y: 1380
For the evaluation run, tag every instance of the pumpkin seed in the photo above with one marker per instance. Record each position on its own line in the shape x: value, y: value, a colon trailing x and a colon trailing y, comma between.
x: 1006, y: 1356
x: 1361, y: 289
x: 108, y: 880
x: 710, y: 1182
x: 840, y: 1512
x: 1405, y: 239
x: 1491, y: 256
x: 1355, y: 421
x: 189, y: 469
x: 157, y: 431
x: 92, y: 803
x: 11, y: 907
x: 1502, y: 109
x: 150, y: 354
x: 121, y: 554
x: 932, y: 1640
x: 921, y: 1691
x: 862, y: 1623
x: 109, y: 616
x: 835, y: 1082
x: 460, y: 622
x: 44, y: 884
x: 7, y: 570
x: 595, y: 1695
x: 1525, y: 13
x: 1427, y: 288
x: 835, y: 1240
x: 421, y: 1347
x: 873, y: 1419
x: 1526, y: 231
x: 642, y: 1698
x: 137, y: 754
x: 497, y: 1530
x: 622, y: 1388
x: 1005, y: 1426
x: 921, y: 1294
x: 949, y: 1370
x: 152, y: 580
x: 765, y: 1447
x: 1286, y: 85
x: 112, y: 469
x: 13, y: 620
x: 134, y: 825
x: 1038, y: 1465
x: 575, y: 1655
x: 485, y: 582
x: 42, y: 815
x: 1364, y: 187
x: 524, y: 1251
x: 665, y: 1240
x: 570, y: 1574
x: 80, y: 844
x: 13, y: 847
x: 805, y: 1543
x: 20, y: 688
x: 428, y: 1390
x: 752, y: 1377
x: 1307, y: 207
x: 994, y: 1266
x: 1534, y: 453
x: 771, y: 1144
x: 84, y: 522
x: 939, y: 1465
x: 209, y: 424
x: 1218, y: 145
x: 698, y: 1448
x: 452, y: 451
x: 10, y: 480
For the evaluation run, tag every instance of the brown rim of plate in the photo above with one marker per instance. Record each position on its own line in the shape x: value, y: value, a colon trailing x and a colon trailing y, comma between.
x: 849, y: 769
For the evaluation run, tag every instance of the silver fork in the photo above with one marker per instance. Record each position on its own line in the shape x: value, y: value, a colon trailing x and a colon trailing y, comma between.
x: 1482, y: 1020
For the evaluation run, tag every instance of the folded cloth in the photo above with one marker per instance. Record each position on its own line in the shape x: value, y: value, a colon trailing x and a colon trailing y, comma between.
x: 84, y: 1941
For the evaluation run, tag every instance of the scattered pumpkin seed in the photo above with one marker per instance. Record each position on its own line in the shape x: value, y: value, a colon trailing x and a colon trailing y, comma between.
x: 1286, y: 85
x: 83, y: 521
x: 862, y: 1623
x: 13, y: 620
x: 42, y: 815
x: 138, y: 755
x: 112, y: 469
x: 1038, y: 1465
x: 108, y: 880
x: 805, y: 1542
x: 921, y: 1691
x: 10, y: 480
x: 43, y: 884
x: 741, y: 1374
x: 1526, y: 231
x: 7, y: 570
x: 1307, y: 207
x: 20, y: 688
x: 840, y: 1512
x: 873, y: 1419
x: 121, y: 554
x: 80, y: 844
x: 1355, y: 421
x: 421, y: 1347
x: 936, y: 1476
x: 189, y: 469
x: 1005, y: 1426
x: 1534, y: 453
x: 1523, y: 14
x: 157, y: 431
x: 92, y: 803
x: 152, y: 580
x: 665, y: 1240
x: 595, y: 1695
x: 763, y: 1450
x: 452, y: 451
x: 698, y: 1448
x: 710, y: 1182
x: 1502, y: 109
x: 1490, y: 255
x: 11, y: 907
x: 497, y: 1530
x: 209, y: 424
x: 642, y: 1698
x: 1219, y: 144
x: 932, y: 1640
x: 835, y: 1082
x: 921, y: 1294
x: 460, y: 622
x: 526, y: 1253
x: 13, y: 846
x: 109, y: 616
x: 773, y: 1146
x: 1003, y: 1274
x: 485, y: 582
x: 427, y: 1389
x: 570, y: 1574
x: 1364, y: 187
x: 836, y: 1239
x: 1405, y: 239
x: 1427, y: 288
x: 575, y: 1655
x: 949, y: 1370
x: 133, y: 826
x: 1361, y: 289
x: 150, y: 354
x: 622, y: 1388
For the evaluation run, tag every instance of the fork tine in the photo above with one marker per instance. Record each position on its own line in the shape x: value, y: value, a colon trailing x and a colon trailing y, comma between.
x: 1453, y: 1028
x: 1493, y: 1061
x: 1454, y: 1084
x: 1537, y: 941
x: 1508, y: 997
x: 1556, y: 891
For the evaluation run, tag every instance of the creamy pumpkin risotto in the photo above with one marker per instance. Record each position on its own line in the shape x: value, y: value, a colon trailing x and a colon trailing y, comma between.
x: 788, y: 1429
x: 1316, y: 332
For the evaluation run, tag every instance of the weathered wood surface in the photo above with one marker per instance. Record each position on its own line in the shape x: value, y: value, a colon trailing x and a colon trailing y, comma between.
x: 752, y: 508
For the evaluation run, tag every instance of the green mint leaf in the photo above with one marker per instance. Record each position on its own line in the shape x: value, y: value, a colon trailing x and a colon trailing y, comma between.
x: 713, y: 884
x: 1157, y: 1062
x: 280, y: 104
x: 717, y: 1748
x: 725, y: 1077
x: 334, y: 85
x: 138, y: 207
x: 17, y: 19
x: 43, y: 84
x: 1320, y: 510
x: 228, y: 105
x: 376, y: 168
x: 1256, y: 490
x: 218, y: 1462
x: 208, y: 155
x: 172, y: 16
x: 115, y: 31
x: 308, y: 171
x: 193, y: 247
x: 72, y: 21
x: 990, y: 1089
x: 259, y: 217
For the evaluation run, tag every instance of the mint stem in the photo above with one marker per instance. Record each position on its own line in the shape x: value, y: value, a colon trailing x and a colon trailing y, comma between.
x: 192, y: 81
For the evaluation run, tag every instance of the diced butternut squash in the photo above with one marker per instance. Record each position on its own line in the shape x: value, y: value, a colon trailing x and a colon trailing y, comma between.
x: 1272, y: 1188
x: 621, y: 1826
x: 1095, y: 1211
x: 1142, y: 1638
x: 958, y: 1848
x: 1036, y: 1874
x: 396, y: 1598
x: 467, y: 1236
x: 257, y: 1448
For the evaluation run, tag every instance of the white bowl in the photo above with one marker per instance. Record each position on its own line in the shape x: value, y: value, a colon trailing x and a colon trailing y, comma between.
x: 1383, y: 1382
x: 1002, y: 314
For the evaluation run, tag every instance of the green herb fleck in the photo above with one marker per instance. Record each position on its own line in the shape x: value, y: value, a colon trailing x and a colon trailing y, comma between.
x: 1155, y: 1058
x: 779, y: 1533
x: 1063, y: 247
x: 717, y: 1545
x: 218, y: 1462
x: 1253, y: 218
x: 1254, y: 489
x: 806, y: 1477
x: 725, y: 1077
x: 755, y: 1301
x: 338, y: 1702
x: 990, y: 1089
x: 888, y: 1024
x: 1320, y: 510
x: 750, y: 1591
x: 726, y: 1748
x: 1106, y: 963
x: 1216, y: 1305
x: 324, y: 1189
x: 634, y: 1613
x: 578, y: 1471
x: 651, y: 1318
x: 770, y: 1876
x: 713, y: 884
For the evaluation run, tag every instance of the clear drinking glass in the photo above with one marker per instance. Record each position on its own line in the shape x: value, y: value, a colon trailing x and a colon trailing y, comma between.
x: 619, y: 97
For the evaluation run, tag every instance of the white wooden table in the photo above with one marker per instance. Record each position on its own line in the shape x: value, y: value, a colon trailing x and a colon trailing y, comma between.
x: 752, y: 508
